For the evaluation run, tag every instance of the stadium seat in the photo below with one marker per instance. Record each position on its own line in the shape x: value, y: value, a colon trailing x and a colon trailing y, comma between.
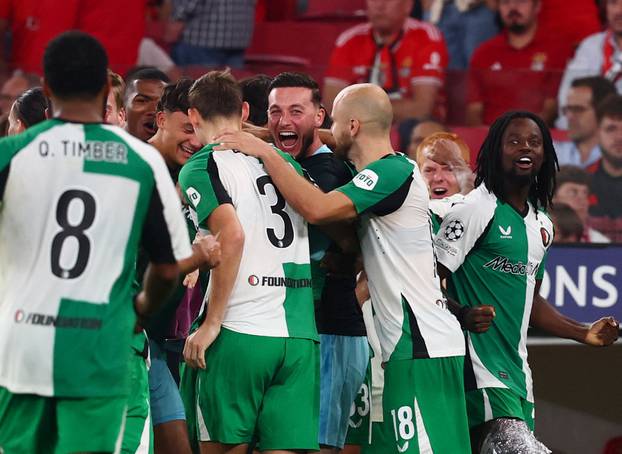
x: 334, y: 10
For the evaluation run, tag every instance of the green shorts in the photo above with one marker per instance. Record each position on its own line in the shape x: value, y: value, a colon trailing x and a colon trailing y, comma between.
x: 138, y: 433
x: 424, y: 404
x: 31, y: 423
x: 359, y: 422
x: 263, y: 386
x: 491, y: 403
x: 382, y: 439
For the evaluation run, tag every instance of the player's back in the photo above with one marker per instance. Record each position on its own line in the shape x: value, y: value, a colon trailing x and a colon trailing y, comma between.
x: 75, y: 198
x: 272, y: 295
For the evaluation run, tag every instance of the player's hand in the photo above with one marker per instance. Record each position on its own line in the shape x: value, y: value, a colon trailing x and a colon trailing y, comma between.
x: 602, y: 332
x: 257, y: 131
x: 478, y: 319
x: 198, y: 342
x: 207, y: 248
x: 191, y: 279
x: 244, y: 142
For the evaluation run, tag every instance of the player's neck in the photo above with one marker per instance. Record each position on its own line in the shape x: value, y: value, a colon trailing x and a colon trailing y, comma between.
x: 617, y: 38
x: 216, y: 127
x: 314, y: 146
x: 78, y: 111
x: 517, y: 195
x: 385, y: 37
x: 369, y: 149
x: 518, y: 41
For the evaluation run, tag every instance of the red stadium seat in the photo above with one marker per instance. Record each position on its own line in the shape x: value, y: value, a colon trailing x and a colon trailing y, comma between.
x: 328, y: 10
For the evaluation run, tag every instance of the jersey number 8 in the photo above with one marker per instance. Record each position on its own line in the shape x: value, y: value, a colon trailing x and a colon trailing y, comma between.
x: 76, y: 231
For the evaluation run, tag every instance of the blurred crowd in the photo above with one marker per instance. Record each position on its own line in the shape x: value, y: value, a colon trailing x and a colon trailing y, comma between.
x: 446, y: 65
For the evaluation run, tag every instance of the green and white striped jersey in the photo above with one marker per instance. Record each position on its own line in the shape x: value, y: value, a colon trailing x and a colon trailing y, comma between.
x: 410, y: 312
x: 77, y: 201
x: 272, y: 295
x: 496, y: 255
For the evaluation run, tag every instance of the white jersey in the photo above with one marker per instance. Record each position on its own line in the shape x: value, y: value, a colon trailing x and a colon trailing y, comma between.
x: 412, y: 319
x: 272, y: 295
x: 77, y: 200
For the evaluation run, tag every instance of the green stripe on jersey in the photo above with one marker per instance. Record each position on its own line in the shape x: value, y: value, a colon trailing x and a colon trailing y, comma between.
x: 298, y: 304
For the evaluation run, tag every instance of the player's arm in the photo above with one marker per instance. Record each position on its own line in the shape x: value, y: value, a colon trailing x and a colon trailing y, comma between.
x: 165, y: 240
x: 419, y: 106
x: 223, y: 222
x: 206, y: 254
x: 314, y: 205
x: 601, y: 333
x: 475, y: 319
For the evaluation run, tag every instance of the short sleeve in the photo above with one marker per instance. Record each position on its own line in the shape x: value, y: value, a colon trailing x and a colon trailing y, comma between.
x: 202, y: 187
x: 164, y: 233
x: 340, y: 64
x: 381, y: 187
x: 460, y: 230
x: 430, y: 63
x: 542, y: 267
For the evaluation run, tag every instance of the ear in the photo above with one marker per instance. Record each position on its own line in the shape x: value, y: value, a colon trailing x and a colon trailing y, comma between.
x: 246, y: 109
x: 319, y: 117
x: 355, y: 127
x: 160, y: 119
x: 122, y: 117
x: 194, y: 116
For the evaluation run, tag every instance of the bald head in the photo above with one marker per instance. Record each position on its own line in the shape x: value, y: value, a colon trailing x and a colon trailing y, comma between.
x: 367, y: 103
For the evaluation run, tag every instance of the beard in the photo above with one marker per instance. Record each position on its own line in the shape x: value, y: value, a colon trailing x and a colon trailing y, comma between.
x: 305, y: 145
x: 613, y: 159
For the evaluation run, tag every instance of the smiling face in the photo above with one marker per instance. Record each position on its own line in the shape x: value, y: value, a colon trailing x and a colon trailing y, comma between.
x: 141, y: 103
x: 522, y: 150
x: 293, y: 120
x: 178, y: 138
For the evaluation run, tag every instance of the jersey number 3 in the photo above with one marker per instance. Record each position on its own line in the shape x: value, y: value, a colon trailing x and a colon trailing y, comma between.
x: 279, y: 209
x: 70, y: 230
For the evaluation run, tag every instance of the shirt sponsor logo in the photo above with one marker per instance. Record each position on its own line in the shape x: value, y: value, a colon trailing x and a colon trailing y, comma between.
x: 504, y: 265
x: 193, y: 196
x: 278, y: 281
x: 435, y: 62
x: 366, y: 179
x: 35, y: 318
x: 507, y: 232
x: 454, y: 230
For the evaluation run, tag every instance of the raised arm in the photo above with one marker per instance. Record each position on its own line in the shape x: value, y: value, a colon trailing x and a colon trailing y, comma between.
x: 314, y: 205
x: 601, y: 333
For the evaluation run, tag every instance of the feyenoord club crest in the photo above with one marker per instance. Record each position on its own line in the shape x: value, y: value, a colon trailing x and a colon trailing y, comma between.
x: 546, y: 236
x: 253, y: 280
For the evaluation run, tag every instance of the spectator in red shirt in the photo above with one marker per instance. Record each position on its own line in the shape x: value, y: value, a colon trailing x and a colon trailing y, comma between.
x: 33, y: 23
x: 518, y: 69
x: 606, y: 185
x: 404, y: 56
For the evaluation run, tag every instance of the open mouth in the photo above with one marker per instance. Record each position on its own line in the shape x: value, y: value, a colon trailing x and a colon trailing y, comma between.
x: 187, y: 151
x: 524, y: 162
x: 439, y: 193
x: 288, y: 139
x: 150, y: 126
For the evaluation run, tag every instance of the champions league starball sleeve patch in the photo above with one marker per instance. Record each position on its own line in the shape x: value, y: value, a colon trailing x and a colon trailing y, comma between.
x: 454, y: 230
